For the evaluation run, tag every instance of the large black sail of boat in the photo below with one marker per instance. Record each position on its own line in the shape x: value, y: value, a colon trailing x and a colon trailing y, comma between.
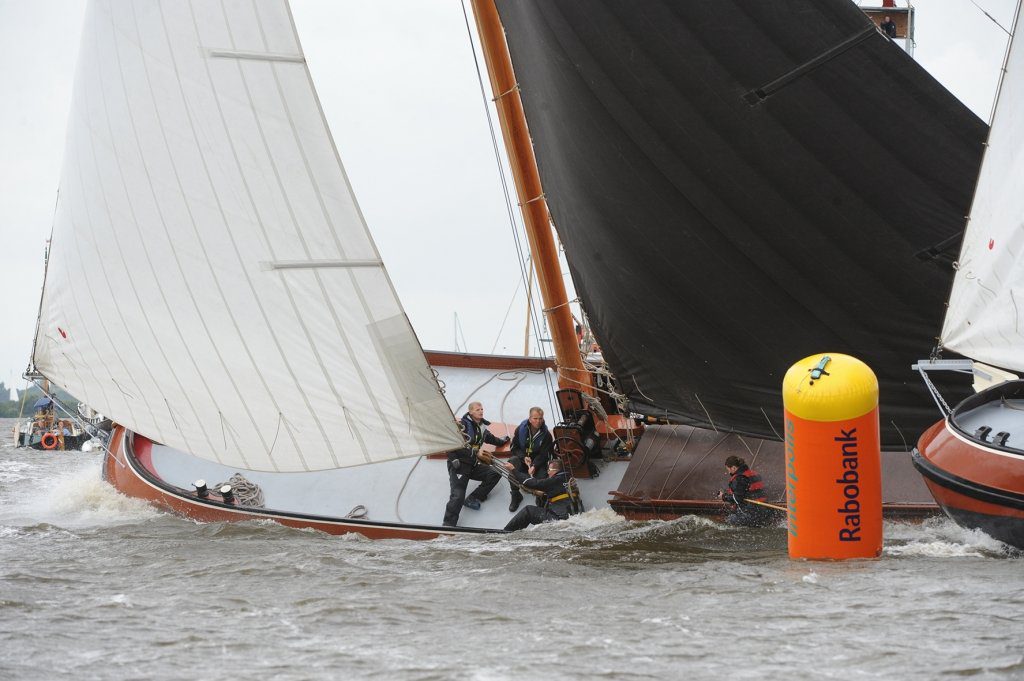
x: 739, y: 185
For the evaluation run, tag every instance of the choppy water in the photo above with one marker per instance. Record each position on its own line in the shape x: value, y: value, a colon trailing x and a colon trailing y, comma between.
x: 97, y: 586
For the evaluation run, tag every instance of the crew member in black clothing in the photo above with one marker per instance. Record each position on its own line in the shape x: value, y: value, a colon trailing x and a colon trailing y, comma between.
x: 531, y: 450
x: 560, y: 497
x: 463, y: 465
x: 744, y: 484
x: 888, y: 27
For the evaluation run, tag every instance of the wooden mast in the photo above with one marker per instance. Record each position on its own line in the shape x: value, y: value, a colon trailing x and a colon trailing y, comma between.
x: 519, y: 146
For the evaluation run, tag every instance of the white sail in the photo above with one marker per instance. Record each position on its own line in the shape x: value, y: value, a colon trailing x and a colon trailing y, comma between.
x: 211, y: 281
x: 985, y: 320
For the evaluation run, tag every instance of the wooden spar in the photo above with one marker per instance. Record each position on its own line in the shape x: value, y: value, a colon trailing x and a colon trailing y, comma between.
x: 519, y: 146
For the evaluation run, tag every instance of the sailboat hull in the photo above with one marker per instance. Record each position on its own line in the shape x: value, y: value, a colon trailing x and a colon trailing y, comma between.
x: 396, y: 499
x: 677, y: 470
x: 126, y: 470
x: 972, y: 470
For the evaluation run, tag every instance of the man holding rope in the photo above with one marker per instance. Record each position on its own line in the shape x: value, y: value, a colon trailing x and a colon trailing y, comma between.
x: 464, y: 465
x: 745, y: 495
x: 558, y: 489
x: 531, y: 450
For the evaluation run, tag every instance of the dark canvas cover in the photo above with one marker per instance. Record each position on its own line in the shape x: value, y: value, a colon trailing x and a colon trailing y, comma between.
x: 740, y: 184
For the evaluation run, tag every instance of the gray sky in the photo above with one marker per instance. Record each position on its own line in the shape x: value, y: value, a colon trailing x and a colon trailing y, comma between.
x: 400, y: 91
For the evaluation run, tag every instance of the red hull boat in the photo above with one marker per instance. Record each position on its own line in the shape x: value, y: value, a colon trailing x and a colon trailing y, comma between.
x: 972, y: 466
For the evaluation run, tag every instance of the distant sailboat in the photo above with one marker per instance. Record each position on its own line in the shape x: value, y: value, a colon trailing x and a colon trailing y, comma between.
x: 973, y: 460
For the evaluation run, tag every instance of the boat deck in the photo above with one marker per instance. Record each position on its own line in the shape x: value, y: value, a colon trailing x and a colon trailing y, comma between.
x: 998, y: 422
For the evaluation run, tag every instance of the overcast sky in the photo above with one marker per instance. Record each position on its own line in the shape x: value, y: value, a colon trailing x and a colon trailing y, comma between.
x: 399, y: 87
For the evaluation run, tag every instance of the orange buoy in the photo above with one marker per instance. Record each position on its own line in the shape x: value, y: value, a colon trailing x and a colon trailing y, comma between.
x: 48, y: 441
x: 833, y: 459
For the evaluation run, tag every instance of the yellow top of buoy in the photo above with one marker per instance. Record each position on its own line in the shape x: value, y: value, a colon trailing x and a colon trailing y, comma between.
x: 829, y: 387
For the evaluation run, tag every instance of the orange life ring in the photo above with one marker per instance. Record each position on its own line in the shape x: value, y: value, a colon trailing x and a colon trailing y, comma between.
x: 49, y: 441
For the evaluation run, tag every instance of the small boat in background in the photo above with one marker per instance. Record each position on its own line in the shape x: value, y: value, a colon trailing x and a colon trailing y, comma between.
x: 45, y: 429
x: 973, y: 459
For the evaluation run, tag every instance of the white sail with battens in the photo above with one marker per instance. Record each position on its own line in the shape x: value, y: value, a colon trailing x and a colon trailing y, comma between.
x: 985, y: 320
x: 211, y: 282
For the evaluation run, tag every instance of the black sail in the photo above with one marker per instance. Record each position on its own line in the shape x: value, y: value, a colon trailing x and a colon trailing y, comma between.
x: 741, y: 184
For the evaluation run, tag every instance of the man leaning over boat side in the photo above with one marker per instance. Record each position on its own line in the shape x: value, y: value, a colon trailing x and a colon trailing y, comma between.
x: 464, y: 466
x: 531, y: 451
x: 744, y: 485
x: 560, y: 497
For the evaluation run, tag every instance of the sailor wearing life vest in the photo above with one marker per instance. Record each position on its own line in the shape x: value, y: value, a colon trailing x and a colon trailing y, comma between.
x: 464, y: 466
x: 531, y: 451
x: 744, y: 484
x: 562, y: 497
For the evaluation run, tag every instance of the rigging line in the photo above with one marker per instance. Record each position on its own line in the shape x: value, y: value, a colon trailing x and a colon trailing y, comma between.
x: 706, y: 412
x: 514, y: 88
x: 900, y: 433
x: 521, y: 376
x: 401, y: 490
x: 497, y: 155
x: 497, y: 375
x: 770, y: 425
x: 747, y: 447
x: 573, y: 380
x: 565, y: 304
x: 936, y: 395
x: 460, y: 332
x: 992, y: 18
x: 24, y: 396
x: 699, y: 462
x: 675, y: 462
x: 637, y: 386
x: 508, y: 311
x: 642, y: 469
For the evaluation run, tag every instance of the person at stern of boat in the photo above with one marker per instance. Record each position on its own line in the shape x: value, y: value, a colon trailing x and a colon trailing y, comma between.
x: 888, y: 27
x: 464, y: 466
x: 561, y: 497
x: 744, y: 485
x: 531, y: 451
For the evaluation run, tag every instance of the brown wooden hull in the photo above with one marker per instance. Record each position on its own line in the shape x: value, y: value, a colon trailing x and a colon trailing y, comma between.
x: 125, y: 468
x: 677, y: 470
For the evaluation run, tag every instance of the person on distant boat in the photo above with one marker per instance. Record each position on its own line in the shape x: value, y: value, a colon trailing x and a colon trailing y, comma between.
x: 888, y: 27
x: 561, y: 497
x: 531, y: 451
x: 464, y: 466
x: 744, y: 485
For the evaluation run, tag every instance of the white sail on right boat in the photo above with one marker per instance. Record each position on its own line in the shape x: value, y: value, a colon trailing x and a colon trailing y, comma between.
x: 973, y: 459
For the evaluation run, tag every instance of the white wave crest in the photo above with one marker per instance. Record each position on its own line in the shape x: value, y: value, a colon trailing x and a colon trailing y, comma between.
x: 80, y: 498
x: 939, y: 538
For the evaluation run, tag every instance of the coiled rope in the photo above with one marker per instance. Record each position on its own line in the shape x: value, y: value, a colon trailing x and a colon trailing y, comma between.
x: 246, y: 492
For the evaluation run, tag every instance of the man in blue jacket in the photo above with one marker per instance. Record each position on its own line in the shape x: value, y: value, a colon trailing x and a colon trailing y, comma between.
x: 464, y: 466
x: 560, y: 497
x: 531, y: 451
